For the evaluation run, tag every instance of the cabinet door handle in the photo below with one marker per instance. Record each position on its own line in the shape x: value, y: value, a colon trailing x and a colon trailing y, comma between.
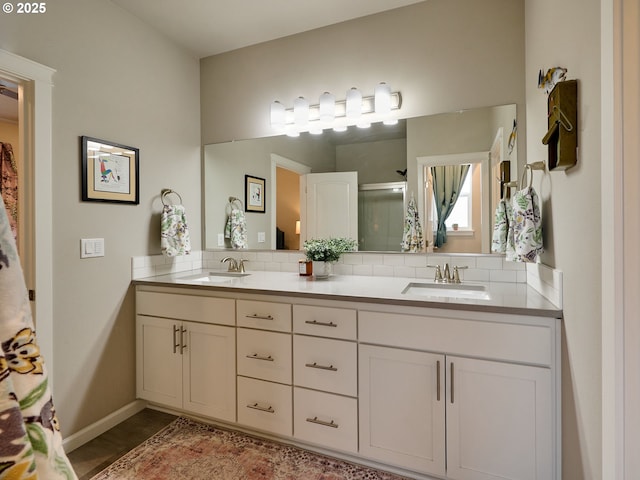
x: 256, y: 406
x: 321, y: 324
x: 452, y: 382
x: 331, y: 424
x: 176, y: 345
x: 255, y: 316
x: 183, y: 344
x: 438, y: 380
x: 255, y: 356
x: 321, y: 367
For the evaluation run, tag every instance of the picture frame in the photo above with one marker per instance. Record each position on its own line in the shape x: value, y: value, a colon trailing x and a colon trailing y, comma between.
x: 254, y: 194
x: 110, y: 171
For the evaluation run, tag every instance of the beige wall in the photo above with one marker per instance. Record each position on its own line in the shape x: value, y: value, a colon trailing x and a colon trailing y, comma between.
x: 437, y: 53
x: 571, y: 203
x: 117, y: 80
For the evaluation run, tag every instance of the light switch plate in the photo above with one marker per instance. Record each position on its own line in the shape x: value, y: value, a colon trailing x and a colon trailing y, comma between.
x: 91, y: 247
x: 221, y: 239
x: 261, y: 237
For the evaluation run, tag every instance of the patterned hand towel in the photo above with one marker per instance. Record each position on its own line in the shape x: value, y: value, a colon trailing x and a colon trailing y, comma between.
x: 501, y: 225
x: 30, y: 440
x: 174, y: 231
x: 236, y: 228
x: 526, y: 233
x: 412, y: 239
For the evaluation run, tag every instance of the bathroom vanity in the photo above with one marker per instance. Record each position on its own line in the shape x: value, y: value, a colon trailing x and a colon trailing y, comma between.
x: 426, y: 386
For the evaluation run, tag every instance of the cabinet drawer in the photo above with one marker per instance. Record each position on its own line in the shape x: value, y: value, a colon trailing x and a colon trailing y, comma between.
x: 326, y: 419
x: 265, y: 405
x: 474, y: 338
x: 323, y: 364
x: 325, y: 321
x: 186, y: 307
x: 264, y: 315
x: 265, y: 355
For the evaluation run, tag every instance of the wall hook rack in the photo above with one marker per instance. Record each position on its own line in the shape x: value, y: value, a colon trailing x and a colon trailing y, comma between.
x: 562, y: 133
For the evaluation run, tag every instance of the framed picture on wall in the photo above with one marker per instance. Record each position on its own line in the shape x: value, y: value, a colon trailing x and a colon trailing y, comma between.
x: 110, y: 172
x: 254, y: 193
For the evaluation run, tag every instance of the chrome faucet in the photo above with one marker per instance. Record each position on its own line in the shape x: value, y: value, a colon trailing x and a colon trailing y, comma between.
x: 444, y: 275
x: 234, y: 265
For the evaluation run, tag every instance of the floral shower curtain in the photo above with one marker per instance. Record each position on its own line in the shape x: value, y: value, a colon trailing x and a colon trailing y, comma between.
x: 9, y: 185
x: 30, y: 440
x: 447, y: 183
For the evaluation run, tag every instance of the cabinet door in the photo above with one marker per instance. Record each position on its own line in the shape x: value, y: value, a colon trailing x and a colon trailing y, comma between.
x: 209, y: 370
x: 402, y: 408
x: 158, y: 360
x: 498, y: 421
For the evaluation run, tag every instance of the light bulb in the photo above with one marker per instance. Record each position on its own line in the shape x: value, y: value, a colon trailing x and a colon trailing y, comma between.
x: 354, y: 103
x: 277, y: 115
x: 327, y: 107
x: 301, y: 111
x: 382, y: 99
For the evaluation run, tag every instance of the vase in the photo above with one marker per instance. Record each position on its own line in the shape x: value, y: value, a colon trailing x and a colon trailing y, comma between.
x: 321, y: 270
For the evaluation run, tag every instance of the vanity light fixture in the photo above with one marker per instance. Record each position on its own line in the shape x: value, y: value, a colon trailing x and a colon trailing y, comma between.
x: 356, y: 109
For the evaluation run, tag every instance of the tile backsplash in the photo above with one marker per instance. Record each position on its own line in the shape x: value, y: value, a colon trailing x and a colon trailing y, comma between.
x: 480, y: 268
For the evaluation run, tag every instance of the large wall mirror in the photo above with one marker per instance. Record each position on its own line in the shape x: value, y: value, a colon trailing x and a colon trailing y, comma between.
x: 370, y: 175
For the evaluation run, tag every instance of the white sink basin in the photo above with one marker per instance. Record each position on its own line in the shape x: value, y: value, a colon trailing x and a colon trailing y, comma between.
x: 447, y: 290
x: 218, y: 277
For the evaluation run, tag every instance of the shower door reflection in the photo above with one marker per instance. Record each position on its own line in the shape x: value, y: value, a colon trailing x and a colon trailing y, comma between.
x: 381, y: 216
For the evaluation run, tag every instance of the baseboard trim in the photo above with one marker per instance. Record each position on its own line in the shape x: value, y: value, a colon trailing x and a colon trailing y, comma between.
x: 90, y: 432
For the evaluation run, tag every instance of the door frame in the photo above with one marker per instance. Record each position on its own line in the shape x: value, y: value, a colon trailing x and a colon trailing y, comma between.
x: 35, y: 132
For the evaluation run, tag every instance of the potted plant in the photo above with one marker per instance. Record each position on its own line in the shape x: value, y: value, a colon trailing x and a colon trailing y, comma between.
x: 325, y: 251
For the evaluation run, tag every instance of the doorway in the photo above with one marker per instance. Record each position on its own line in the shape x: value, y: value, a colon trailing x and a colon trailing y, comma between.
x: 34, y: 82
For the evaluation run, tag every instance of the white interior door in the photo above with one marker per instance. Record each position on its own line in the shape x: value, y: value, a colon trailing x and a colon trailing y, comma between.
x: 331, y: 204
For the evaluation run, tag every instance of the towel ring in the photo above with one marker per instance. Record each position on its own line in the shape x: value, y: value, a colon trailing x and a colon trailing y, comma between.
x: 168, y: 192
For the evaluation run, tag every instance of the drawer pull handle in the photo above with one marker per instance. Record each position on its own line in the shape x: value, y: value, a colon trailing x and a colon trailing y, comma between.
x: 321, y: 324
x: 331, y: 424
x: 256, y: 406
x: 255, y: 316
x: 255, y: 356
x: 321, y: 367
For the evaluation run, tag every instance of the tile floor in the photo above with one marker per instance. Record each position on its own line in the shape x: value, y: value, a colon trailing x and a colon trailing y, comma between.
x: 103, y: 450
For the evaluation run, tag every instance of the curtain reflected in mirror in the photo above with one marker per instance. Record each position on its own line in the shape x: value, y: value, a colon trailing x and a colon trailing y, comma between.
x: 447, y: 184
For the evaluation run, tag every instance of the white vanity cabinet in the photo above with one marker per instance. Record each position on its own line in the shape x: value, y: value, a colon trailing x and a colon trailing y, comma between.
x: 446, y: 393
x: 458, y: 398
x: 185, y: 352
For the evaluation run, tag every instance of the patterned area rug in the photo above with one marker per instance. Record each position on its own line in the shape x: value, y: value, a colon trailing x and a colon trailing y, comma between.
x: 190, y: 450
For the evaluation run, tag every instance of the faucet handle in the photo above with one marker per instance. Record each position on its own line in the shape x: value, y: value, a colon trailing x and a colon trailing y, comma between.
x: 241, y: 265
x: 438, y: 276
x: 456, y: 274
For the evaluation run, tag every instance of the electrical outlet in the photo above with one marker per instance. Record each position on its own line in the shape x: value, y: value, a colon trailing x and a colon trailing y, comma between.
x: 221, y: 239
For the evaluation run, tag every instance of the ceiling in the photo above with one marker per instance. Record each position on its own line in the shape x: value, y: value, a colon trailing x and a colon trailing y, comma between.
x: 209, y: 27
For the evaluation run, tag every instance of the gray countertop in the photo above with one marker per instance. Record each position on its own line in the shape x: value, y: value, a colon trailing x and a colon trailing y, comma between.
x: 513, y: 298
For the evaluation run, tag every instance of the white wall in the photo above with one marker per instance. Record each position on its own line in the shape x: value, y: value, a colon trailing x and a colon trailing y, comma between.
x: 117, y: 80
x: 571, y: 215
